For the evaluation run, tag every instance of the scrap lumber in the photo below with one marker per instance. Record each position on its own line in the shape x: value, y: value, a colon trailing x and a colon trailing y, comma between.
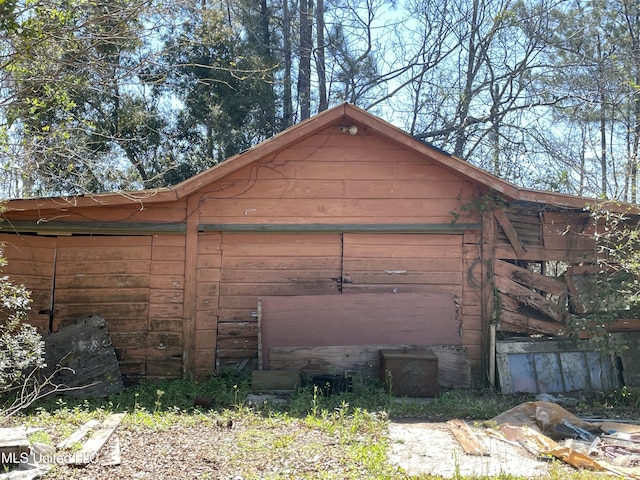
x: 111, y: 457
x: 530, y: 298
x: 13, y: 445
x: 93, y: 445
x: 78, y: 435
x: 467, y: 439
x: 530, y: 279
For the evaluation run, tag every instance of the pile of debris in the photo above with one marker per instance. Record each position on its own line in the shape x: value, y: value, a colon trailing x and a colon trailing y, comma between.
x: 25, y: 461
x: 548, y: 431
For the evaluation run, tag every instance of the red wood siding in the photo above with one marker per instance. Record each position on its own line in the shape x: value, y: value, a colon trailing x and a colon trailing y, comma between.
x: 139, y: 211
x: 31, y: 261
x: 166, y: 302
x: 402, y: 263
x: 256, y: 265
x: 330, y: 178
x: 110, y: 277
x: 474, y: 277
x: 209, y: 260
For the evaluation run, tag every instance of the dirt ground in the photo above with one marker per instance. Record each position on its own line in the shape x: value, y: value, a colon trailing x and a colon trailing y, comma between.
x: 200, y: 452
x: 421, y: 447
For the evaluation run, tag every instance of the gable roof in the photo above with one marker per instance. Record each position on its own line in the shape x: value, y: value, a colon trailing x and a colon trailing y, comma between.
x: 341, y: 113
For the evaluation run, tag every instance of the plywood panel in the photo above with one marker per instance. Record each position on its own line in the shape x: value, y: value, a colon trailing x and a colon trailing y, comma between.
x: 415, y: 319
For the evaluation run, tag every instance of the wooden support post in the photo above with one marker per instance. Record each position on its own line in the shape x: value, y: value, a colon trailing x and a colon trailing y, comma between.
x: 488, y: 306
x: 260, y: 366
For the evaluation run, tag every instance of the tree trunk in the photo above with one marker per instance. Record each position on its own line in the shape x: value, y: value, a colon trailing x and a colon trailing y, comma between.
x: 304, y: 69
x: 287, y: 100
x: 323, y: 102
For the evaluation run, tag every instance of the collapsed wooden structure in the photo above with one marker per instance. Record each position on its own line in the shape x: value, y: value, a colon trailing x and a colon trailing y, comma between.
x: 342, y: 206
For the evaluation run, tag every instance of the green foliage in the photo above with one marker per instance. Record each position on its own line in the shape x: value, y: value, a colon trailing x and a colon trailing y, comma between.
x: 21, y: 347
x: 614, y: 287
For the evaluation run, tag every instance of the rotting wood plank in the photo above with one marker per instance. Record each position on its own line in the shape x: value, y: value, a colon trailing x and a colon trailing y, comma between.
x: 530, y: 279
x: 86, y: 351
x: 509, y: 231
x: 13, y: 444
x: 537, y: 254
x: 574, y: 294
x: 529, y: 298
x: 467, y: 439
x: 92, y: 446
x: 111, y: 456
x: 78, y: 435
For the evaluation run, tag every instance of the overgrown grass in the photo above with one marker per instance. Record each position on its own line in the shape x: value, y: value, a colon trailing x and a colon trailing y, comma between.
x: 356, y: 420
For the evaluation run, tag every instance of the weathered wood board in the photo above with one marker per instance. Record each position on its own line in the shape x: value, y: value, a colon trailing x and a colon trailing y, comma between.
x: 467, y: 439
x: 93, y: 445
x: 13, y: 445
x: 85, y: 351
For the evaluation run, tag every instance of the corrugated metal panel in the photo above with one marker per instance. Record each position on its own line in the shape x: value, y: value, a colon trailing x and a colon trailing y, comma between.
x: 553, y: 367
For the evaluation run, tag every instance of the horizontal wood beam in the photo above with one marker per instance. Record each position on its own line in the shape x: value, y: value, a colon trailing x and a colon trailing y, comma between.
x: 450, y: 228
x: 529, y: 298
x: 518, y: 323
x: 529, y: 278
x: 104, y: 228
x: 537, y: 254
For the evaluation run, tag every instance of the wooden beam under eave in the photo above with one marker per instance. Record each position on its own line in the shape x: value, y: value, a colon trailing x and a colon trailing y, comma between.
x: 510, y: 232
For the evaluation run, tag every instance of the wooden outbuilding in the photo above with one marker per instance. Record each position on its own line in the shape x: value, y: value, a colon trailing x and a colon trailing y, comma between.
x: 338, y: 236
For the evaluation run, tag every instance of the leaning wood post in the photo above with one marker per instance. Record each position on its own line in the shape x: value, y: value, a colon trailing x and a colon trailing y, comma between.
x: 190, y: 287
x: 488, y: 305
